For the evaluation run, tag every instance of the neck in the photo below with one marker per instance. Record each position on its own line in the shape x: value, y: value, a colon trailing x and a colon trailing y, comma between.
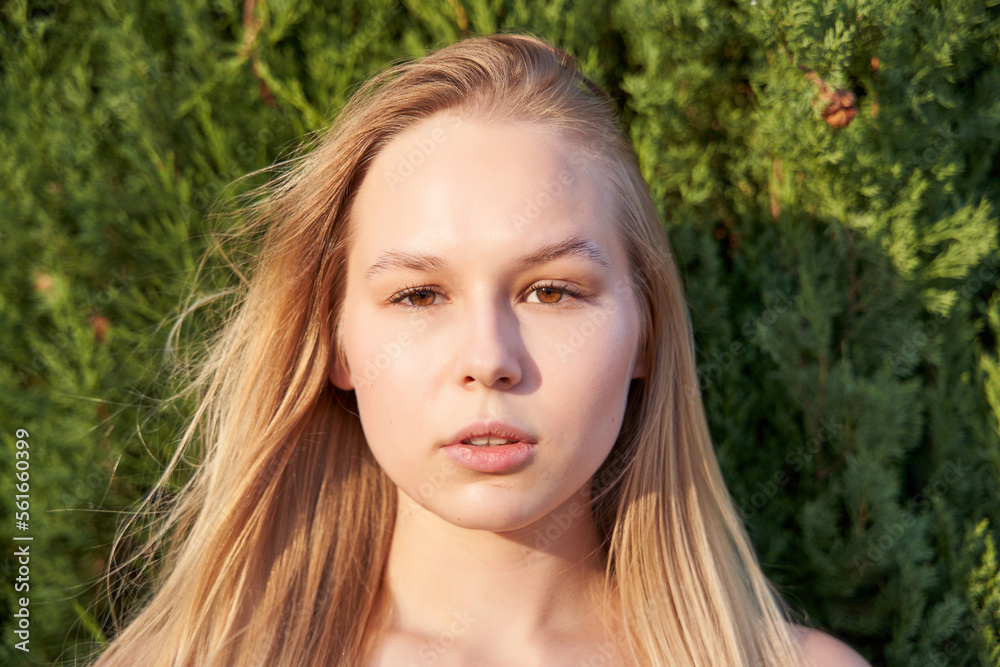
x: 495, y: 588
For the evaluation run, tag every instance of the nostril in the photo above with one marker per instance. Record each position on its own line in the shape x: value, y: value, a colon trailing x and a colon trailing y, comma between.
x: 502, y: 380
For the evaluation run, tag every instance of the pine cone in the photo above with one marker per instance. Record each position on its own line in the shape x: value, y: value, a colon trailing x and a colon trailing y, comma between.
x: 841, y: 105
x: 842, y: 109
x: 100, y: 324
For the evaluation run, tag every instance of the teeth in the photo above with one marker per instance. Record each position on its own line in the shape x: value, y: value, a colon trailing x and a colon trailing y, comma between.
x: 489, y: 441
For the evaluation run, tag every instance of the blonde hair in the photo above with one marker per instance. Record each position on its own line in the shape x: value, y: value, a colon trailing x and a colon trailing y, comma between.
x: 277, y: 544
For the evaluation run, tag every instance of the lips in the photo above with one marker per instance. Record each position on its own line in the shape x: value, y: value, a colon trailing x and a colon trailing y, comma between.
x: 514, y: 449
x: 491, y: 429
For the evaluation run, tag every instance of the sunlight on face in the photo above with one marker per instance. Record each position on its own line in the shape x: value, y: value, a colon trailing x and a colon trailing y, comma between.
x: 486, y: 283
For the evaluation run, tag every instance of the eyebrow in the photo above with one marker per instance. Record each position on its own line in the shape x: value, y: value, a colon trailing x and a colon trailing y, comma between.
x: 576, y: 246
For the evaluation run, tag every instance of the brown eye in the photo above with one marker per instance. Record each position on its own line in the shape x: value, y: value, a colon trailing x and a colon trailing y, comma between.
x: 415, y: 297
x: 549, y: 294
x: 421, y: 297
x: 552, y: 294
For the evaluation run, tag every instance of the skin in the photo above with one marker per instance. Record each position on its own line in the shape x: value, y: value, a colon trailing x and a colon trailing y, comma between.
x: 470, y: 554
x: 490, y: 568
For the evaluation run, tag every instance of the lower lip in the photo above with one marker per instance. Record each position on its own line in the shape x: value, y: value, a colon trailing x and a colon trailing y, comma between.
x: 489, y: 459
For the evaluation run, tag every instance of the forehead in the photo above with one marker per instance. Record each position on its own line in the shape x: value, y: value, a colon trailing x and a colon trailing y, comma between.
x: 480, y: 187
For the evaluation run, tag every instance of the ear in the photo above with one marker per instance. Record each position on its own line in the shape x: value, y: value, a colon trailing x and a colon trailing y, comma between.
x: 340, y: 374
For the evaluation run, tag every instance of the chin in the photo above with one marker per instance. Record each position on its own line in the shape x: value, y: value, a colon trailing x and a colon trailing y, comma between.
x: 490, y: 522
x: 490, y: 506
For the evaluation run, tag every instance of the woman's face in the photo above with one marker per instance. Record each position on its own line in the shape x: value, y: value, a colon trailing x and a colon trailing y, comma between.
x: 487, y: 294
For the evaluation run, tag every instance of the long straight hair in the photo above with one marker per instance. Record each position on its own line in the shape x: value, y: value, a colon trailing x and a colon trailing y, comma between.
x: 276, y: 548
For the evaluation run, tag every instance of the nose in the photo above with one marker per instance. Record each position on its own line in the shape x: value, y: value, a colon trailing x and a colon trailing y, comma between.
x: 489, y: 348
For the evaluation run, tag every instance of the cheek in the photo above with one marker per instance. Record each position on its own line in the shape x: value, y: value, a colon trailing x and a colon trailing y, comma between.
x: 382, y: 350
x: 587, y: 371
x: 389, y: 368
x: 594, y: 354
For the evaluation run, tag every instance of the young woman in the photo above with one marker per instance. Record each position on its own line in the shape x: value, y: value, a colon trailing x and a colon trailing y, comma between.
x: 455, y: 419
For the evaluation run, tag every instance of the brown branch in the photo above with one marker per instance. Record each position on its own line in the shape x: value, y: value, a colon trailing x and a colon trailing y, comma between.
x: 840, y: 105
x: 460, y: 17
x: 250, y: 28
x: 776, y: 180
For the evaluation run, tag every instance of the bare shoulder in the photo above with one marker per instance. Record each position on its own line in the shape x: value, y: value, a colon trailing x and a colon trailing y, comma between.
x: 823, y: 650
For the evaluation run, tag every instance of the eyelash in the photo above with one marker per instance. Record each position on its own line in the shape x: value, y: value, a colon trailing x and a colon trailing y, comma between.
x: 402, y: 294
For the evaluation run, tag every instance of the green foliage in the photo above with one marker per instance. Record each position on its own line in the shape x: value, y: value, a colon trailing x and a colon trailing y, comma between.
x: 982, y: 566
x: 843, y: 281
x: 837, y: 277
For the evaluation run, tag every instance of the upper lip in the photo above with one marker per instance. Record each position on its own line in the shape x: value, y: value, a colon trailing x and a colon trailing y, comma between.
x: 496, y: 429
